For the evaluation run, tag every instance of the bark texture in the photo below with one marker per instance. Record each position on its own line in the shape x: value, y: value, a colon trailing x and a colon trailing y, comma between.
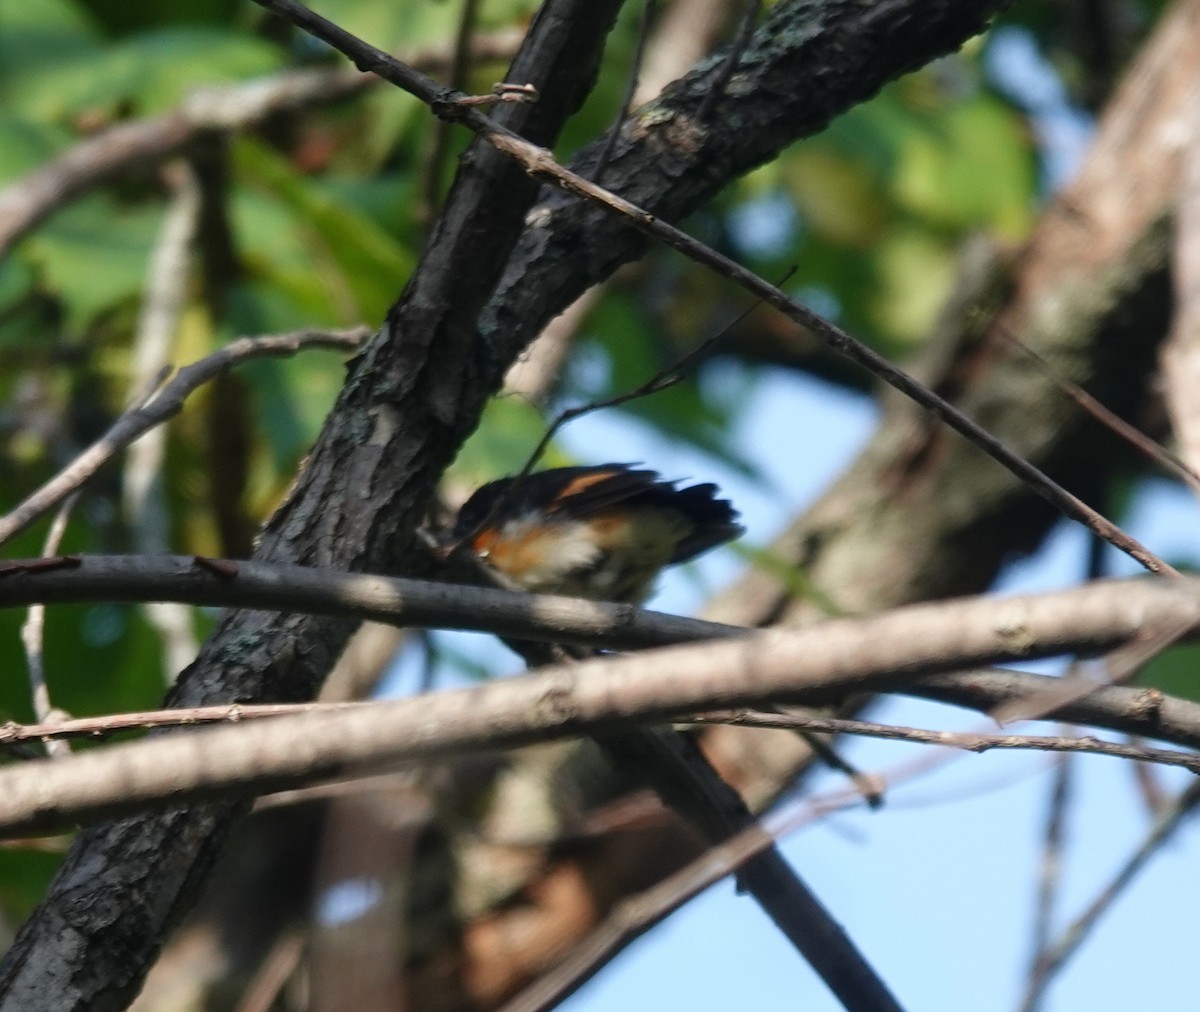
x: 419, y: 389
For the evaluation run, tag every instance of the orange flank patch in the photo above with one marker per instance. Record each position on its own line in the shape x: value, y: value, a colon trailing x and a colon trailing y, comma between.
x: 485, y: 541
x: 614, y: 556
x: 521, y: 550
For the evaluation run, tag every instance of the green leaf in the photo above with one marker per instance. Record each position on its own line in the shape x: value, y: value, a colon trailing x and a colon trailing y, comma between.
x: 1175, y: 671
x: 27, y: 144
x: 510, y: 429
x: 150, y: 72
x: 358, y: 264
x: 94, y: 254
x: 38, y: 35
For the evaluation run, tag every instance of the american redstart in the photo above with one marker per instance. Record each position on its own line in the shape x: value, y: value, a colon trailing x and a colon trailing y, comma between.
x: 602, y: 532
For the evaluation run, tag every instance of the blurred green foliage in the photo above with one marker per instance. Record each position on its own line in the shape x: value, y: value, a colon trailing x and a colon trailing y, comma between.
x: 325, y: 218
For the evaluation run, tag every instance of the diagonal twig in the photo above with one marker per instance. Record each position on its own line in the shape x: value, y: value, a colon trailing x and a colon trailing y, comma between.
x: 164, y: 298
x: 163, y: 405
x: 649, y: 14
x: 970, y: 741
x: 1075, y: 935
x: 1049, y: 877
x: 745, y: 30
x: 540, y: 164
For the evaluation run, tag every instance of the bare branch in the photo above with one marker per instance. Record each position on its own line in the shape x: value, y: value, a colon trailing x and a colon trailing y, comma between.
x: 303, y: 589
x: 1078, y: 931
x: 1049, y: 877
x: 163, y: 301
x: 540, y: 164
x: 1181, y: 354
x: 1093, y: 618
x: 966, y: 740
x: 649, y: 16
x: 806, y: 666
x: 1153, y: 451
x: 750, y: 14
x: 459, y: 66
x: 165, y: 404
x: 27, y: 202
x: 97, y: 727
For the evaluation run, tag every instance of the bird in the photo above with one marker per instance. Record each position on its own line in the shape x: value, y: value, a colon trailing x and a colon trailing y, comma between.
x: 603, y: 532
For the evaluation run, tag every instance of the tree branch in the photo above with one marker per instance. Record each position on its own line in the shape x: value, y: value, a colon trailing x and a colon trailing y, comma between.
x: 161, y: 407
x: 408, y: 403
x: 809, y: 666
x: 27, y: 202
x: 540, y: 164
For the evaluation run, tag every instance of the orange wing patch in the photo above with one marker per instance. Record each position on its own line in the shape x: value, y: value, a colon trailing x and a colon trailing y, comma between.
x: 577, y: 485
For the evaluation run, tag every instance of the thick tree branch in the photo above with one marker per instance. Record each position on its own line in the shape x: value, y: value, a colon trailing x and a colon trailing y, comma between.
x: 309, y: 590
x: 807, y: 666
x: 396, y: 425
x: 409, y: 402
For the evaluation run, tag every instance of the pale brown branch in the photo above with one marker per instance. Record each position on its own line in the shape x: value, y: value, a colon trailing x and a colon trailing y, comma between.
x: 805, y: 666
x: 969, y: 741
x: 32, y: 637
x: 1181, y: 353
x: 94, y: 161
x: 142, y: 494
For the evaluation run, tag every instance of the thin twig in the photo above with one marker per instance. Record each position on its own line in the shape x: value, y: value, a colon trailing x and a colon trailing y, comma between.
x: 649, y: 14
x: 740, y: 42
x: 541, y: 164
x: 459, y: 67
x: 664, y: 379
x: 277, y: 968
x: 1076, y: 934
x: 143, y: 496
x: 1156, y: 452
x: 1049, y: 878
x: 198, y: 716
x: 163, y: 406
x: 966, y: 740
x: 33, y: 638
x: 667, y: 377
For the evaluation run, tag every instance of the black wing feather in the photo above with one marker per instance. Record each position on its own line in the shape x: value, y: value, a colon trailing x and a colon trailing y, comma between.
x: 602, y: 486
